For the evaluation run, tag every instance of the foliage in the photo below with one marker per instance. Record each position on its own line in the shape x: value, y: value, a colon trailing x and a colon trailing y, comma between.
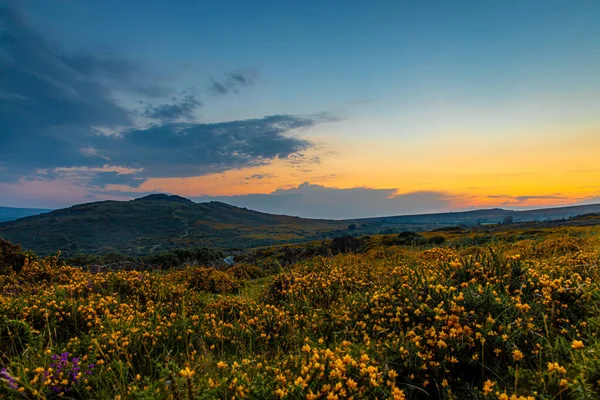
x: 159, y: 223
x: 512, y: 319
x: 12, y: 256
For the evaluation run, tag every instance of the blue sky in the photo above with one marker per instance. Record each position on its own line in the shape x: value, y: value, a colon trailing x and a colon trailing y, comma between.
x: 358, y: 83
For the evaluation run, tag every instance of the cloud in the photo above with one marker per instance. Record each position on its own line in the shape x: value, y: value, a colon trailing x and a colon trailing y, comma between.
x: 231, y: 83
x: 49, y: 101
x: 59, y: 111
x: 92, y: 177
x: 519, y: 200
x: 193, y: 149
x: 548, y: 197
x: 103, y: 179
x: 179, y: 109
x: 315, y: 201
x: 258, y: 177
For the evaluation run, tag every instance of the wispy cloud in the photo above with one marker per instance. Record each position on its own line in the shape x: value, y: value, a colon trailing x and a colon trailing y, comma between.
x: 232, y: 82
x: 179, y: 108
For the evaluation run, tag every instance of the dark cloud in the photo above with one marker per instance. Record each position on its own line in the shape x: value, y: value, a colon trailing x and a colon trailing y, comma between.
x: 508, y: 199
x: 315, y: 201
x: 192, y: 149
x: 49, y: 101
x: 258, y: 177
x: 102, y: 179
x: 179, y: 109
x: 59, y: 111
x: 548, y: 197
x: 231, y: 83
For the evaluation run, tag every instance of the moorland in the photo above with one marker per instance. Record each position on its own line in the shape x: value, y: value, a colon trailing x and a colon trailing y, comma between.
x: 512, y: 313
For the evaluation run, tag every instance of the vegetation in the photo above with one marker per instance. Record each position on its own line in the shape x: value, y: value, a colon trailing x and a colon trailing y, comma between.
x: 167, y: 259
x: 511, y: 319
x: 160, y: 223
x: 12, y: 257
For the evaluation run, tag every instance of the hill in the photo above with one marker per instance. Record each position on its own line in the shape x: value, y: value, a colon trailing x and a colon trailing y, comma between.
x: 12, y: 213
x: 162, y: 222
x: 156, y: 223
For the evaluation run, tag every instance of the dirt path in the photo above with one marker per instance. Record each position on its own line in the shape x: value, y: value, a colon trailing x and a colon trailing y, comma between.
x: 185, y: 222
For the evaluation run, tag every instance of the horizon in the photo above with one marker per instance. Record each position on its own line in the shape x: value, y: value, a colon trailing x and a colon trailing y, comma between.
x: 514, y: 209
x: 339, y: 110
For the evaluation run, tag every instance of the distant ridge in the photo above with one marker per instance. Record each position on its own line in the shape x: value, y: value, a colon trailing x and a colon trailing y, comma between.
x: 160, y: 222
x: 12, y: 213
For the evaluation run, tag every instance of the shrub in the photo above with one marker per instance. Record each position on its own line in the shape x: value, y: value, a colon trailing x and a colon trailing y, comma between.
x: 212, y: 280
x: 12, y: 257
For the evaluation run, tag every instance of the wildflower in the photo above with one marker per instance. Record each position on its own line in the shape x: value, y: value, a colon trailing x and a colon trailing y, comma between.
x: 351, y: 383
x: 311, y: 396
x: 556, y: 367
x: 487, y: 387
x: 187, y: 372
x: 398, y: 394
x: 518, y: 355
x: 8, y: 378
x: 563, y: 382
x: 221, y: 365
x: 577, y: 344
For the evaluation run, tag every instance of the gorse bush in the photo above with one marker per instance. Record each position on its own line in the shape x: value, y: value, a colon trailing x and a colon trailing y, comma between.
x: 12, y: 257
x: 505, y: 321
x: 212, y: 280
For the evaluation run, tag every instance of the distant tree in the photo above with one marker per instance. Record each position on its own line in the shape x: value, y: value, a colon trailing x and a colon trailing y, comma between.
x: 436, y: 240
x: 352, y: 227
x: 508, y: 220
x: 345, y: 244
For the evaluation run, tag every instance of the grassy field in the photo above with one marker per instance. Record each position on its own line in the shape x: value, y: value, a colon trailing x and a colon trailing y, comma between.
x: 516, y: 318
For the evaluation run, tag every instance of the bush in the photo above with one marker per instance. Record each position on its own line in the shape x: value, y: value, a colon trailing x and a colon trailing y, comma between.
x: 212, y: 281
x: 245, y: 271
x: 12, y: 257
x: 189, y: 256
x: 346, y: 244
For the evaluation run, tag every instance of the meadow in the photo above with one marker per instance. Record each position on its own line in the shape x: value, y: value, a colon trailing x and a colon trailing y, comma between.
x: 509, y: 319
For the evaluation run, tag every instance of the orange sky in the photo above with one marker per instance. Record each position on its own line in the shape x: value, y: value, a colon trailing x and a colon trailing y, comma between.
x: 550, y: 166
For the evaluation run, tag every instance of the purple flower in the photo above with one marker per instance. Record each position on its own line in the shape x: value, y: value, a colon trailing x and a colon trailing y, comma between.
x: 8, y: 378
x: 70, y: 369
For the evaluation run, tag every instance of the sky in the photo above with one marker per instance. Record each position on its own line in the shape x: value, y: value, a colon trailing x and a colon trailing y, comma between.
x: 332, y: 109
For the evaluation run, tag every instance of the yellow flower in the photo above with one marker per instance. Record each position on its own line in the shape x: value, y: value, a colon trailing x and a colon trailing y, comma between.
x: 221, y: 365
x: 556, y: 367
x: 398, y: 394
x: 311, y: 396
x: 518, y: 355
x: 577, y: 344
x: 487, y: 387
x: 187, y: 372
x: 351, y: 383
